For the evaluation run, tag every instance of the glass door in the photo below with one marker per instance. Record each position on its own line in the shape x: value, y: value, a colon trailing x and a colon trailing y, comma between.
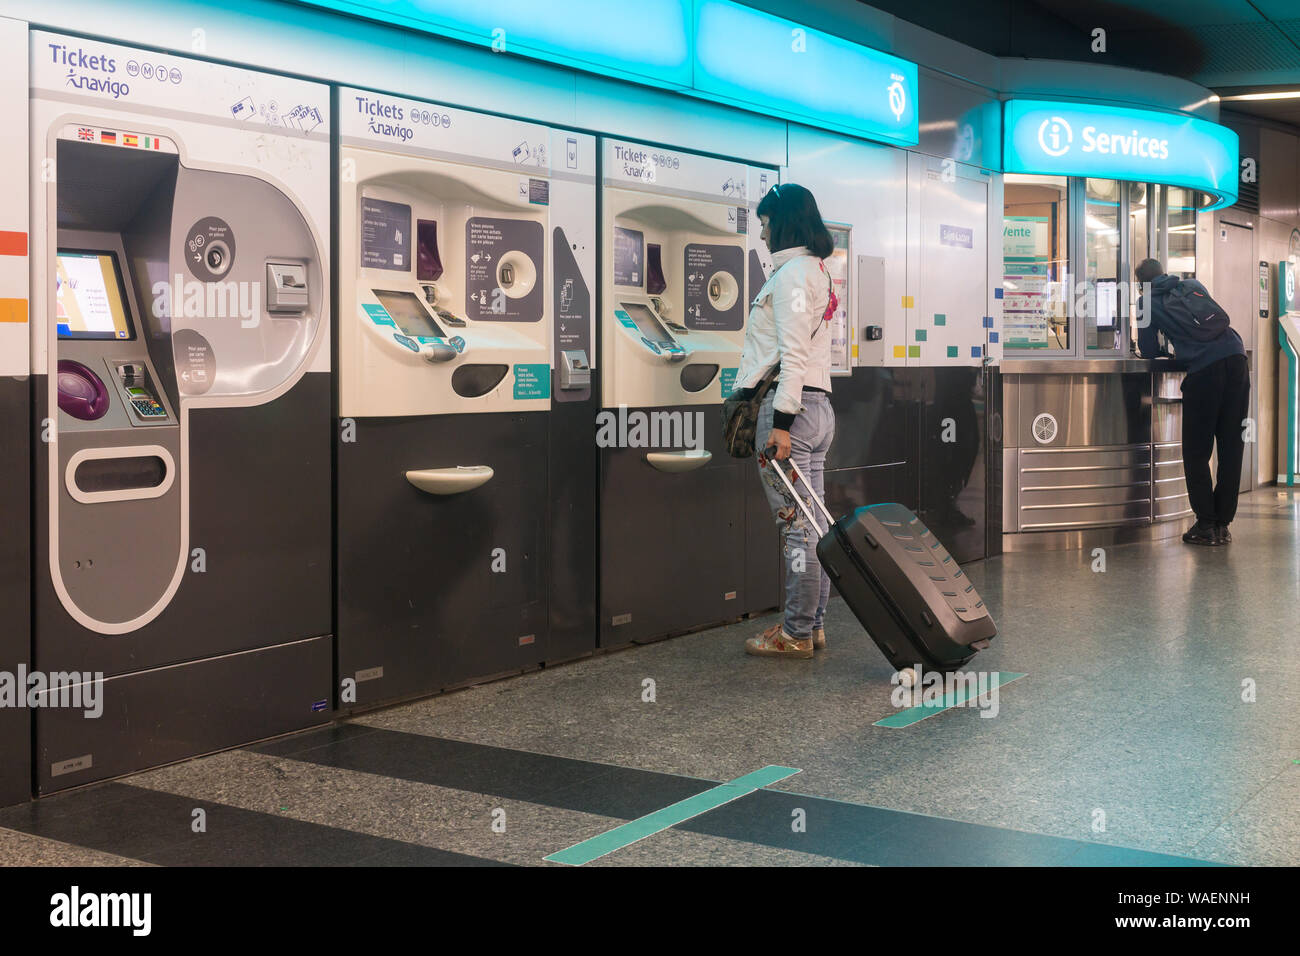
x: 1140, y: 209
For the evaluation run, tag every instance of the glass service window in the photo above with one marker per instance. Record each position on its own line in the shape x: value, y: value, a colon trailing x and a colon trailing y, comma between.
x: 1035, y: 255
x: 1182, y: 206
x: 1140, y: 197
x: 1098, y: 307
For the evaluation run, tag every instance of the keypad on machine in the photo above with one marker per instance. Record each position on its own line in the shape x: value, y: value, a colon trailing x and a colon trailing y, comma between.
x: 148, y: 408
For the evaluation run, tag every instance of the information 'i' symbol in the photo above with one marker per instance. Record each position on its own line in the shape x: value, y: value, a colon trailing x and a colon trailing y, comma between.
x: 1055, y: 136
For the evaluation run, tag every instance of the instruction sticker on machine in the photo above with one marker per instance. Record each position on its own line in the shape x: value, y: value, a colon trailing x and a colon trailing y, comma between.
x: 629, y: 256
x: 196, y: 366
x: 532, y: 381
x: 712, y: 293
x: 572, y: 310
x: 385, y: 235
x: 503, y: 269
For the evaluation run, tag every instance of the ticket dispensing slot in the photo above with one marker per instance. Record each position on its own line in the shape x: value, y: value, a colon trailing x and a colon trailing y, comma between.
x: 575, y: 371
x: 429, y: 269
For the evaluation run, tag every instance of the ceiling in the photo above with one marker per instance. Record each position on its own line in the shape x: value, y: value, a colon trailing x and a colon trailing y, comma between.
x: 1230, y: 46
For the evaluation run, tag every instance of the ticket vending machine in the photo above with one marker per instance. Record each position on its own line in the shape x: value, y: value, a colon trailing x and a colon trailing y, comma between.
x: 180, y: 345
x: 1288, y: 389
x: 467, y: 278
x: 675, y: 521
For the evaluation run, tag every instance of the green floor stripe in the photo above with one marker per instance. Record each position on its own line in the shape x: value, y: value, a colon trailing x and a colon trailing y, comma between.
x: 669, y: 816
x: 905, y: 718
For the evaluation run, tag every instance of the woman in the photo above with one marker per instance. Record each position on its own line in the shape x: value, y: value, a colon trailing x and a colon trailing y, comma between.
x: 788, y: 323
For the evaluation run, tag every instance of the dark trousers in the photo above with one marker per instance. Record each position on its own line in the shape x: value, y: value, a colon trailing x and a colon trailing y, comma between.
x: 1216, y: 401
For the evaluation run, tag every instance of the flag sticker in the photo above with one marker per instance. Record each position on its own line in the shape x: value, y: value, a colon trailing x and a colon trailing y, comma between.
x: 86, y: 133
x: 130, y: 139
x: 108, y: 136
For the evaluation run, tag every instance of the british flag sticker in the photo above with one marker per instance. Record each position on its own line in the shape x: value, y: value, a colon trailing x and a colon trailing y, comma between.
x: 86, y: 133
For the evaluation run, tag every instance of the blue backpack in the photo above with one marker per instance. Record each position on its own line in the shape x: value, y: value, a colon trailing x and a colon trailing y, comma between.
x: 1193, y: 314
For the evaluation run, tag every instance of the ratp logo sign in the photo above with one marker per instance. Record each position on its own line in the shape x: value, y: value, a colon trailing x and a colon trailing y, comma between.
x: 1113, y: 142
x: 897, y: 98
x: 745, y: 57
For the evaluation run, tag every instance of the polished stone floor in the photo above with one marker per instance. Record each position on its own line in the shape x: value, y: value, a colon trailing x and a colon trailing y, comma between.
x: 1158, y: 723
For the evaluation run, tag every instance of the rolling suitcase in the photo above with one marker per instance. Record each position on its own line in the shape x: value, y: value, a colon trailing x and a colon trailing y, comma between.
x: 905, y: 589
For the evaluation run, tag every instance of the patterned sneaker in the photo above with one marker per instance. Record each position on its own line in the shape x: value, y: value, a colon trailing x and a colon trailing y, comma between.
x: 819, y: 638
x: 774, y: 642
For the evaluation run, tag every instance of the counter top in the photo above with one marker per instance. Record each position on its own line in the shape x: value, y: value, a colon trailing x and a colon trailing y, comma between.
x: 1019, y: 366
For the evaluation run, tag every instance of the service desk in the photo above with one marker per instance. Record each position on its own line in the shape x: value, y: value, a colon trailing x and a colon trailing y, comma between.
x: 1091, y: 452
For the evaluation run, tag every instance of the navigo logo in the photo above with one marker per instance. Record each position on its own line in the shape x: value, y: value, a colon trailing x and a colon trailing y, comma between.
x: 1055, y: 136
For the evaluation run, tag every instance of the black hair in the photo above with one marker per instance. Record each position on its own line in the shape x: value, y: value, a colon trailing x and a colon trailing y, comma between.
x: 794, y: 220
x: 1148, y: 270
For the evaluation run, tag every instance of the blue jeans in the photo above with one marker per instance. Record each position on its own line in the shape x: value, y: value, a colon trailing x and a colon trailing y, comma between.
x: 807, y: 588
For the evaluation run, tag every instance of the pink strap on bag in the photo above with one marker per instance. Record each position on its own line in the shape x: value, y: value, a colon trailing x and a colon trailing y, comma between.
x: 833, y: 302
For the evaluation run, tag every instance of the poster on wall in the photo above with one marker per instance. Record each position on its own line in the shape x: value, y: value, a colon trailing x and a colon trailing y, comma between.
x: 837, y: 264
x: 1026, y: 306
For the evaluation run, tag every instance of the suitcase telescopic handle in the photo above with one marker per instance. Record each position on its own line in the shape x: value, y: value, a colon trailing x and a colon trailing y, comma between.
x: 798, y: 499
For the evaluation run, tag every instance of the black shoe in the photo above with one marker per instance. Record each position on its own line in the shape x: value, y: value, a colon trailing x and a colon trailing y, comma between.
x: 1225, y: 536
x: 1203, y: 533
x: 955, y: 516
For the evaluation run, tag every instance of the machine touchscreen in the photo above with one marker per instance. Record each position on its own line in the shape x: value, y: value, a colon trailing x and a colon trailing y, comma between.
x: 409, y: 313
x: 90, y: 296
x: 647, y: 322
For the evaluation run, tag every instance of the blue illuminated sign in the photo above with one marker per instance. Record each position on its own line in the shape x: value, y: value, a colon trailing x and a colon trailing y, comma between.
x: 647, y: 41
x: 714, y: 49
x: 775, y: 66
x: 1116, y: 142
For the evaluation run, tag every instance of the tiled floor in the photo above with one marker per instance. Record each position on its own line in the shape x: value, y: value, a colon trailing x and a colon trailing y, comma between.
x: 1127, y: 743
